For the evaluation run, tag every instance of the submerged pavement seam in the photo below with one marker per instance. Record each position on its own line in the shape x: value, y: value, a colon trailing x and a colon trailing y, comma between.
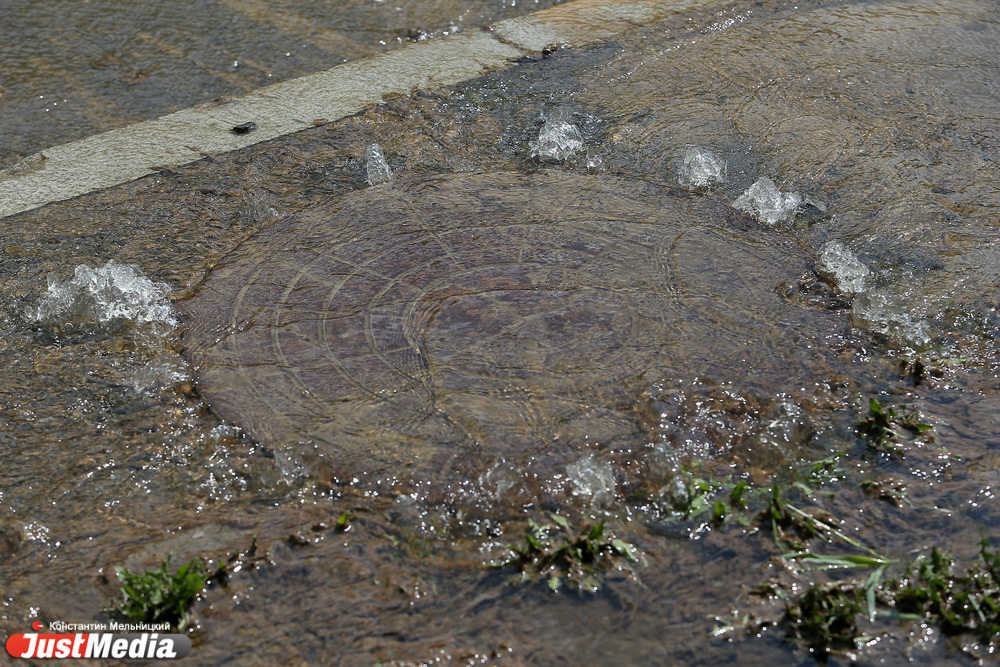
x: 125, y: 154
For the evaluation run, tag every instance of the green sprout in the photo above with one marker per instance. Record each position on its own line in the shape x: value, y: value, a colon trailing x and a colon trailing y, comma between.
x: 825, y: 617
x: 157, y: 596
x: 554, y: 553
x: 882, y: 426
x: 957, y: 603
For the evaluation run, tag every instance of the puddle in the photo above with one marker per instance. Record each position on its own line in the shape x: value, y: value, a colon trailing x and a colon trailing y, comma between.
x: 493, y: 336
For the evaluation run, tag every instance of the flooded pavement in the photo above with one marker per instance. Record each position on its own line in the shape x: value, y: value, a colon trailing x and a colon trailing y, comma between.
x: 859, y: 140
x: 69, y: 72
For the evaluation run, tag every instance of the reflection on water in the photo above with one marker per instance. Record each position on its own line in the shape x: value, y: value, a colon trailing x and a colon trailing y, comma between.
x: 882, y: 116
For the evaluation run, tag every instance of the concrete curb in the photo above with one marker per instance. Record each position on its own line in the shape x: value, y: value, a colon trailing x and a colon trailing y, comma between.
x: 125, y: 154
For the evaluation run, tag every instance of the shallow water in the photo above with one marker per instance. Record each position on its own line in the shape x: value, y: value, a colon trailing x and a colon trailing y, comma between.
x: 882, y: 116
x: 72, y: 70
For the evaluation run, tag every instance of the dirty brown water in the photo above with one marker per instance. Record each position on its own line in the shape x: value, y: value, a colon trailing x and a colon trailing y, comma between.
x: 882, y: 114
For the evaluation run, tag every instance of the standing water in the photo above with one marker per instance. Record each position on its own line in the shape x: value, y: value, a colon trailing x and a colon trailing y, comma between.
x: 713, y: 304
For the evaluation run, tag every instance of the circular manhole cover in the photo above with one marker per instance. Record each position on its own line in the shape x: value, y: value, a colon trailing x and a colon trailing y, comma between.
x: 439, y: 323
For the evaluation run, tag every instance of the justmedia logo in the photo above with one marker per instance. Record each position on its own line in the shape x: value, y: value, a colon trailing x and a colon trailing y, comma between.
x: 148, y: 645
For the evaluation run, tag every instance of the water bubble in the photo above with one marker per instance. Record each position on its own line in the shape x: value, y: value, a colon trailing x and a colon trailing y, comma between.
x: 595, y: 162
x: 160, y: 373
x: 888, y: 314
x: 376, y: 167
x: 259, y: 206
x: 700, y: 168
x: 558, y: 140
x: 786, y: 427
x: 764, y: 201
x: 843, y: 266
x: 501, y: 478
x: 592, y: 479
x: 106, y: 298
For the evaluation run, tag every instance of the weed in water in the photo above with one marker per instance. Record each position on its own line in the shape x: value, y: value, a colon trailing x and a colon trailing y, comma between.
x: 157, y: 596
x: 825, y: 617
x: 956, y: 603
x: 715, y: 502
x: 554, y: 553
x: 914, y: 370
x: 796, y: 526
x: 824, y: 471
x: 890, y: 490
x: 882, y: 426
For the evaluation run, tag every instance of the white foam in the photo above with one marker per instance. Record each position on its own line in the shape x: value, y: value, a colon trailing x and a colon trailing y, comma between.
x: 764, y: 201
x: 376, y: 167
x: 558, y: 140
x: 701, y: 168
x: 592, y: 479
x: 844, y: 267
x: 104, y: 297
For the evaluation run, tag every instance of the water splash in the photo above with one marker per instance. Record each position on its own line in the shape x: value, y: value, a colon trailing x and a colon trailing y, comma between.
x: 700, y: 168
x: 558, y: 140
x: 592, y: 479
x: 888, y: 314
x: 161, y: 373
x: 843, y: 267
x: 376, y: 167
x: 108, y: 297
x: 883, y: 310
x: 595, y: 162
x: 501, y: 478
x: 785, y: 427
x: 764, y: 201
x: 259, y: 206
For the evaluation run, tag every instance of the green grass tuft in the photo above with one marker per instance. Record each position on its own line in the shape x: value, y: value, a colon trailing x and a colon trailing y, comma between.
x: 157, y: 596
x: 555, y: 553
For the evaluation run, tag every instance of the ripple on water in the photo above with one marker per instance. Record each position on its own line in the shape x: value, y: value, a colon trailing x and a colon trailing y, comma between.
x: 438, y: 324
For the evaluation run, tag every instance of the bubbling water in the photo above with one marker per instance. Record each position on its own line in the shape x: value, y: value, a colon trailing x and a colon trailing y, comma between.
x: 109, y: 298
x: 764, y: 201
x: 558, y: 140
